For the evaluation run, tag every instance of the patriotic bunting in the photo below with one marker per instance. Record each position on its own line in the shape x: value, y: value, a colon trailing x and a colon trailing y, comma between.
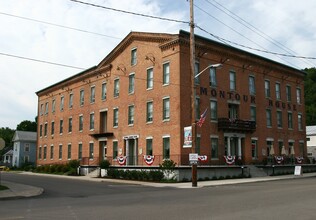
x: 299, y: 160
x: 202, y: 158
x: 121, y: 160
x: 149, y: 159
x: 230, y: 159
x: 279, y: 159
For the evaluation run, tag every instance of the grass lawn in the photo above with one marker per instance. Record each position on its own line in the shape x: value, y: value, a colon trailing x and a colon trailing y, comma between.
x: 2, y: 187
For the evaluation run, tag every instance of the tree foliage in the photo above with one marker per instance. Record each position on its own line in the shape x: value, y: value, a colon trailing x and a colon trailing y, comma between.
x: 27, y: 125
x: 310, y: 96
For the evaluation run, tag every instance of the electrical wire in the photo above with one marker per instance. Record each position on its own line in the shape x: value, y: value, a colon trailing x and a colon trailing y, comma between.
x: 132, y: 13
x: 42, y: 61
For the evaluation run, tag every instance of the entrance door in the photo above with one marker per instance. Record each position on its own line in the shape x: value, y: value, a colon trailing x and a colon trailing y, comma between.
x: 131, y: 151
x: 103, y: 150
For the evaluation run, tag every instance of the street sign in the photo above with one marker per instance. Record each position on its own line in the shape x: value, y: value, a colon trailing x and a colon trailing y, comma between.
x: 193, y: 157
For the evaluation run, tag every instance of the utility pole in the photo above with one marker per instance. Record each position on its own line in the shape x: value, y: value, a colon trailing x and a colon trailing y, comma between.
x: 192, y: 62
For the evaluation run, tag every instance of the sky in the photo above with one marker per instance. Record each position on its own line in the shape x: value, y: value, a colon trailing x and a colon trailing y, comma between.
x: 45, y: 41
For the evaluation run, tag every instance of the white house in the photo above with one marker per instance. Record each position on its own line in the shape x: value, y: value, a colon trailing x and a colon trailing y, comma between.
x: 311, y: 141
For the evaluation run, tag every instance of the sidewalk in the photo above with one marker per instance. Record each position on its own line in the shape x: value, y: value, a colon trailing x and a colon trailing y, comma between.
x: 20, y: 190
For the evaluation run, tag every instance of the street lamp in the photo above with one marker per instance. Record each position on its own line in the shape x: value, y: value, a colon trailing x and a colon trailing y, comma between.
x: 193, y: 128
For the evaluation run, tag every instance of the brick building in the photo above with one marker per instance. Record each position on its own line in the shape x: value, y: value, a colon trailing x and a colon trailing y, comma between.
x: 137, y: 101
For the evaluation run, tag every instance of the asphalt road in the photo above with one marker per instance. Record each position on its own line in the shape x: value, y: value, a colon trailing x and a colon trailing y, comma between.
x: 77, y: 199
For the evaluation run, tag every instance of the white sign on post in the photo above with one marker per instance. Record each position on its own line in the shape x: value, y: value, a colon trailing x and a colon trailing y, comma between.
x: 193, y: 157
x: 298, y: 171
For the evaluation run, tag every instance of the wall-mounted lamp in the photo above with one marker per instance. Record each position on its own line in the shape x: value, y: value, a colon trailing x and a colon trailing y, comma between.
x: 122, y: 68
x: 150, y: 57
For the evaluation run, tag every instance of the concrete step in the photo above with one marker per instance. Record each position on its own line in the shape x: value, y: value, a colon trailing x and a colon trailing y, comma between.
x: 94, y: 173
x: 256, y: 172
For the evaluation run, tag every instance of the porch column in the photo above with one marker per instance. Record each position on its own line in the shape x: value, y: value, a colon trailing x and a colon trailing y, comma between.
x: 239, y: 148
x: 127, y: 151
x: 228, y: 146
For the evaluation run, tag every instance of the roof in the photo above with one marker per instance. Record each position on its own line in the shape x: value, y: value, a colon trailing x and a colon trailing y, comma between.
x: 311, y: 130
x: 24, y: 136
x: 10, y: 152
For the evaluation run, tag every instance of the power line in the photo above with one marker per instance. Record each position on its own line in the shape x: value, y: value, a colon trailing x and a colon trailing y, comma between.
x: 256, y: 49
x: 253, y: 28
x: 58, y: 25
x: 42, y: 61
x: 132, y: 13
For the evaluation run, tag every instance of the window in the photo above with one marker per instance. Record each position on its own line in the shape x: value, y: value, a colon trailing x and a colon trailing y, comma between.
x: 253, y: 113
x: 288, y: 93
x: 79, y: 151
x: 131, y: 83
x: 71, y: 100
x: 149, y: 112
x: 232, y: 80
x: 60, y: 152
x: 166, y: 147
x: 269, y: 117
x: 213, y: 108
x: 91, y: 146
x: 267, y: 88
x: 69, y: 152
x: 278, y: 91
x: 61, y: 125
x: 279, y: 119
x: 116, y: 88
x: 80, y: 122
x: 133, y: 56
x: 166, y: 73
x: 131, y: 115
x: 92, y: 94
x: 81, y: 97
x: 26, y: 147
x: 149, y: 146
x: 42, y: 109
x: 298, y: 95
x: 45, y: 129
x: 62, y: 99
x: 41, y: 130
x: 103, y: 95
x: 290, y: 120
x: 213, y: 81
x: 196, y: 72
x: 115, y: 150
x: 115, y: 117
x: 91, y: 121
x: 197, y: 108
x: 252, y: 86
x: 214, y: 146
x: 254, y: 149
x: 46, y: 108
x: 52, y: 152
x: 70, y: 125
x: 150, y: 78
x: 166, y: 108
x: 53, y: 128
x: 53, y: 105
x: 40, y: 152
x: 300, y: 122
x: 45, y: 152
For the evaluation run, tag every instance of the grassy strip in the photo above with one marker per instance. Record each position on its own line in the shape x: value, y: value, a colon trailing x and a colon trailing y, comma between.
x: 2, y: 187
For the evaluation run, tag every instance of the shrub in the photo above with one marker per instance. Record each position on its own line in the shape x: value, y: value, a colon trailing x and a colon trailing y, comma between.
x: 74, y: 164
x: 104, y: 164
x: 156, y: 175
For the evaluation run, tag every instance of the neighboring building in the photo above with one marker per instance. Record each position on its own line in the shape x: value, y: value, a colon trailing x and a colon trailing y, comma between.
x: 24, y: 148
x: 311, y: 141
x: 7, y: 158
x: 137, y: 101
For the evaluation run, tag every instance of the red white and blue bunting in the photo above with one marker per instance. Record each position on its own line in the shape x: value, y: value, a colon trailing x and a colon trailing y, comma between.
x: 279, y: 159
x: 202, y: 158
x: 299, y: 160
x: 230, y: 159
x: 121, y: 160
x: 149, y: 159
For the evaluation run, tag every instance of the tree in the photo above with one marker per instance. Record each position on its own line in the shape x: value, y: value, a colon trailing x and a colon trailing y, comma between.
x: 310, y: 96
x: 27, y: 125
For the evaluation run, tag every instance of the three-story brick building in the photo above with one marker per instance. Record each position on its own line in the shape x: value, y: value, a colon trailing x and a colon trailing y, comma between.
x: 137, y: 101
